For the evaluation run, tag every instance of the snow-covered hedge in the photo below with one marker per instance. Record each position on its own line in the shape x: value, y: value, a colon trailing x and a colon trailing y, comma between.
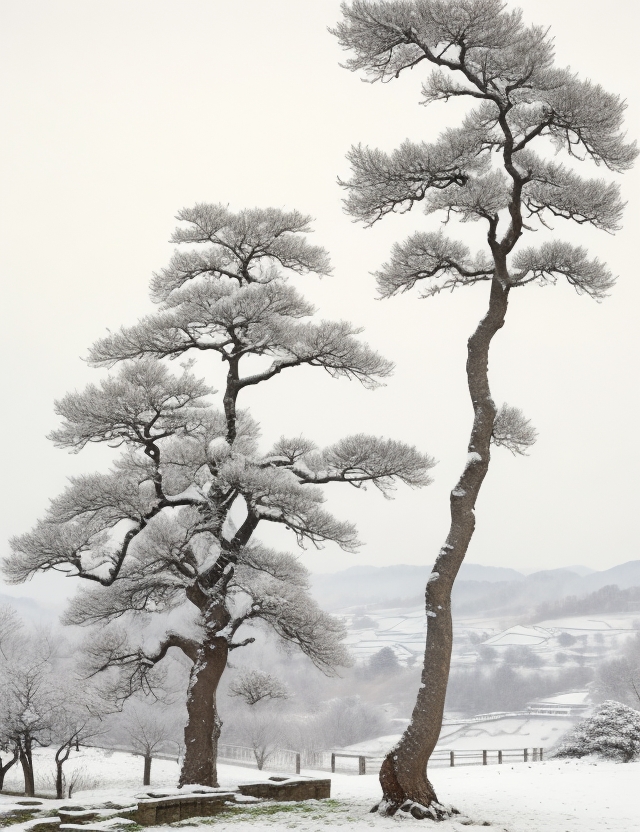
x: 613, y: 731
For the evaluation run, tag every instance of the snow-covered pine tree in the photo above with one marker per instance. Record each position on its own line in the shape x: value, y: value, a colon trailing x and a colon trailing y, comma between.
x: 484, y: 170
x: 173, y: 524
x: 612, y: 731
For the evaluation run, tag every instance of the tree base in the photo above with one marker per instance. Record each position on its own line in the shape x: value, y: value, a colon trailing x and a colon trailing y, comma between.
x: 434, y: 811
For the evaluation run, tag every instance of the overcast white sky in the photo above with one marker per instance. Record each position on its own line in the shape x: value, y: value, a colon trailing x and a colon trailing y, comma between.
x: 116, y: 115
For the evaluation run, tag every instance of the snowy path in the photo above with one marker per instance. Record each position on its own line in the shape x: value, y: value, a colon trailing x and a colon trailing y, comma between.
x: 553, y: 796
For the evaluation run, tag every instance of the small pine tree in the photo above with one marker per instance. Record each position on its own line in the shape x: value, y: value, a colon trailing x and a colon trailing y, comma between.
x: 613, y: 731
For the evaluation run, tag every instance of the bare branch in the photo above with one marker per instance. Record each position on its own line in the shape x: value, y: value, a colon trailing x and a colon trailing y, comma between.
x: 513, y: 431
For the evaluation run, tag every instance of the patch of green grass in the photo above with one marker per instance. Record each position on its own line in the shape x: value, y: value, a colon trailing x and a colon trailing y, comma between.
x: 17, y: 816
x: 252, y: 811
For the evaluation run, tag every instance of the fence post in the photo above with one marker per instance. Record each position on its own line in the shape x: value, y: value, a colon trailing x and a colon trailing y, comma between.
x: 333, y: 763
x: 499, y: 757
x: 452, y: 758
x: 484, y: 758
x: 362, y: 765
x: 297, y: 762
x: 535, y: 755
x: 526, y: 755
x: 541, y: 750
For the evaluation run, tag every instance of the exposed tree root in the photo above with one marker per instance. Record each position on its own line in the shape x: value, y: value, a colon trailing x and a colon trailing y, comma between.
x: 435, y: 811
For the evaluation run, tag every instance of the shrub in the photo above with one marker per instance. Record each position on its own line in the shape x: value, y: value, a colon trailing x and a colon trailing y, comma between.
x: 612, y: 731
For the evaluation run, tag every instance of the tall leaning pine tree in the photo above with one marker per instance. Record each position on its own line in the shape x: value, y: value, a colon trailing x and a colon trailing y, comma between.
x: 485, y: 170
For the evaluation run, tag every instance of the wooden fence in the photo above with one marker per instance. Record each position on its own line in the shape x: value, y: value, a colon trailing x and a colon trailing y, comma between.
x: 285, y: 760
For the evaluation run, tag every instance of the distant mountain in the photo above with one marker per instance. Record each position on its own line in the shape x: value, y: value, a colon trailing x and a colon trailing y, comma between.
x: 365, y: 585
x: 478, y: 589
x: 28, y: 609
x: 624, y: 576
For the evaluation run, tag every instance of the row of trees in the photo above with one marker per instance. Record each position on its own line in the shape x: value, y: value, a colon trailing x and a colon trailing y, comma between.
x: 606, y: 599
x: 43, y: 701
x: 173, y: 526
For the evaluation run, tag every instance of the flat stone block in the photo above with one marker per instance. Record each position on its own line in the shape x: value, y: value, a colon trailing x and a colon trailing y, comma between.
x: 307, y: 788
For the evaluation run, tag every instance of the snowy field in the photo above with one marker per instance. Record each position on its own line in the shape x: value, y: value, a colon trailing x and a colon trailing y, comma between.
x: 553, y: 796
x: 510, y: 733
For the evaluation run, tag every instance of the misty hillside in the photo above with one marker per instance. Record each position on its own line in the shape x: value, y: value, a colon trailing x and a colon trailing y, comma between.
x: 478, y: 589
x: 381, y: 584
x: 29, y: 609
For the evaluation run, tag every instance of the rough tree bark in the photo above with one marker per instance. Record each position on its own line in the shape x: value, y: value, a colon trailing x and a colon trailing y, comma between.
x: 403, y: 775
x: 202, y: 731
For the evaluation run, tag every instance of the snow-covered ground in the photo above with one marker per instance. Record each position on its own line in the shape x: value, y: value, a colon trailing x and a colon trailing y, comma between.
x: 553, y: 796
x: 499, y: 735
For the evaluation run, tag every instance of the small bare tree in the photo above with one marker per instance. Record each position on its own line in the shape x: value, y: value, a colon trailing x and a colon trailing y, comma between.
x: 27, y: 705
x: 484, y: 170
x: 79, y: 712
x: 253, y: 686
x: 262, y: 726
x: 147, y: 733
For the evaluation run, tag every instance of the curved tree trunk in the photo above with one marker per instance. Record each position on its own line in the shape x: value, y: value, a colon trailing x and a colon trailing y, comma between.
x: 403, y: 775
x: 4, y: 768
x: 203, y: 727
x: 62, y: 755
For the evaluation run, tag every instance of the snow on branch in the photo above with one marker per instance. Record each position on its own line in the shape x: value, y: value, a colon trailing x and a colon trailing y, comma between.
x: 328, y: 344
x: 482, y: 197
x: 489, y: 46
x: 251, y: 246
x: 585, y: 120
x: 109, y: 497
x: 560, y: 259
x: 159, y: 335
x: 561, y: 192
x: 55, y: 546
x: 512, y: 430
x: 275, y: 495
x: 428, y: 257
x: 142, y: 404
x: 361, y: 459
x: 132, y: 593
x: 278, y: 565
x: 281, y: 599
x: 382, y: 183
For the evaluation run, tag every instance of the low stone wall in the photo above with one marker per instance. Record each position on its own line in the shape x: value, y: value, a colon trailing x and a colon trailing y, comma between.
x: 281, y: 788
x: 157, y: 811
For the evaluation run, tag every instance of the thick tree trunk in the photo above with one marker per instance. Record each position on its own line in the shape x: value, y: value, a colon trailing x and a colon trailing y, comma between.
x: 26, y: 762
x: 146, y: 777
x: 4, y: 768
x: 403, y: 775
x: 203, y: 727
